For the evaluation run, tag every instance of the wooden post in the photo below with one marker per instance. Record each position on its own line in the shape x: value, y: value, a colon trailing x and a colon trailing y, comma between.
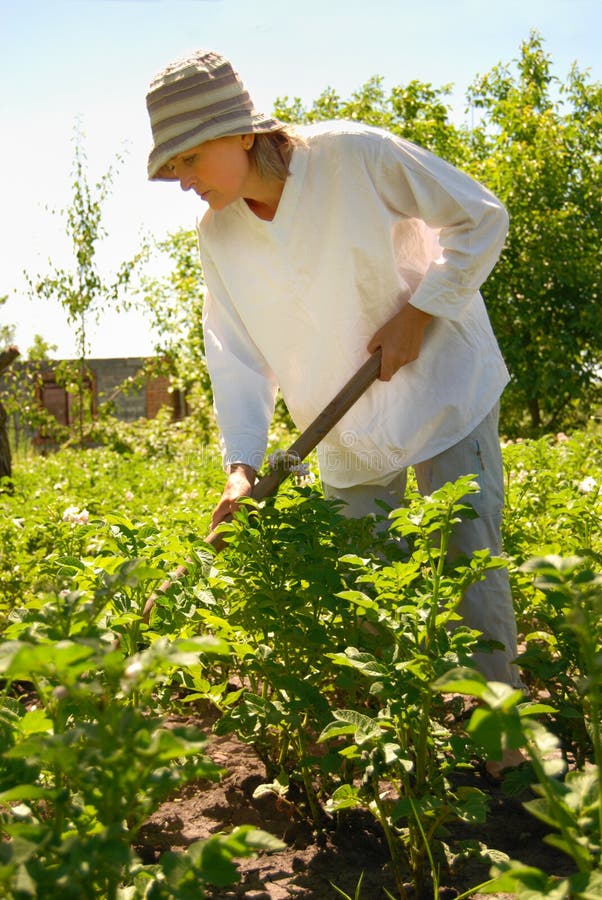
x: 7, y: 357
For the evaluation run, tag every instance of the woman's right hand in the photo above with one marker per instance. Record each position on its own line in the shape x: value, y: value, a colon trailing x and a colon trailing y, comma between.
x: 241, y: 479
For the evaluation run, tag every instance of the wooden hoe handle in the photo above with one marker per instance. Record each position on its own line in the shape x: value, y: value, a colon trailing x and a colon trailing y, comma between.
x: 309, y: 439
x: 322, y: 424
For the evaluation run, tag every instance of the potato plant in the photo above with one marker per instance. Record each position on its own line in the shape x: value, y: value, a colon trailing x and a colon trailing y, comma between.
x: 338, y: 655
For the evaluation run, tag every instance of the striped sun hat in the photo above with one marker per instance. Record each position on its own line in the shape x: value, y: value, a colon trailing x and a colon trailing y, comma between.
x: 198, y: 99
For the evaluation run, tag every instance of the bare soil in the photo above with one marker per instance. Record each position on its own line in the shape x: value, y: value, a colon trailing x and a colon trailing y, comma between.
x: 348, y: 848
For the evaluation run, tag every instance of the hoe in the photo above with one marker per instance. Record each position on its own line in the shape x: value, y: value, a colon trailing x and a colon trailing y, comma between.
x: 306, y: 442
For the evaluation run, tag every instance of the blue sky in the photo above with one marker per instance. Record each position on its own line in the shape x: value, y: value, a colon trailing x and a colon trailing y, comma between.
x: 60, y: 59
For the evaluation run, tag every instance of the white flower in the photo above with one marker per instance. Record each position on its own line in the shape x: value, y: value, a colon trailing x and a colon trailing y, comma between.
x: 128, y: 496
x: 76, y: 516
x: 587, y: 485
x: 133, y: 670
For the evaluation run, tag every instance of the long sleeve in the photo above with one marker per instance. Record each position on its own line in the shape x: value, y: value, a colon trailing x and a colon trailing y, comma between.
x: 244, y: 387
x: 470, y: 222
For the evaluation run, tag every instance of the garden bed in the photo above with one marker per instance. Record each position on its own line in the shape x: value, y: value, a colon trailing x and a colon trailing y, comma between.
x: 112, y: 728
x: 348, y: 849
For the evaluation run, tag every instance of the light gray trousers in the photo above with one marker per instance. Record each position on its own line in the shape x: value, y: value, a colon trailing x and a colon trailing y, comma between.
x: 486, y: 605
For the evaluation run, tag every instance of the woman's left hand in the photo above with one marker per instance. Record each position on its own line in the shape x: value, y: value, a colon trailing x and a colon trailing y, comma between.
x: 400, y: 339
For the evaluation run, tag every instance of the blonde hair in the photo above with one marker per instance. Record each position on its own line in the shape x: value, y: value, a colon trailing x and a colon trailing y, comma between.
x: 271, y: 152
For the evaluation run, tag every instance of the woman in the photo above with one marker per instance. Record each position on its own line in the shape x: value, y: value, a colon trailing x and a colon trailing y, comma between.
x: 318, y: 247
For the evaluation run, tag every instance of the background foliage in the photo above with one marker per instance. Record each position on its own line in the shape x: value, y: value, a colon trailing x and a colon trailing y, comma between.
x: 533, y: 139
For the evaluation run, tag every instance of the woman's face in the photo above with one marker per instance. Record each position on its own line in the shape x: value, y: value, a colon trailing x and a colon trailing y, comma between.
x: 218, y: 171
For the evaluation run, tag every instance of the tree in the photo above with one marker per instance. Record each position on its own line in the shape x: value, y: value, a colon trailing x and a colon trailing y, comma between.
x: 19, y: 392
x: 7, y: 357
x: 81, y: 290
x: 41, y: 349
x: 175, y: 304
x: 7, y: 332
x: 416, y: 111
x: 541, y: 155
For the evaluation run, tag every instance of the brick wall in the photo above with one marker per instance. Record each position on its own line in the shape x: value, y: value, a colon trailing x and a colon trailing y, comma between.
x: 105, y: 376
x: 109, y: 374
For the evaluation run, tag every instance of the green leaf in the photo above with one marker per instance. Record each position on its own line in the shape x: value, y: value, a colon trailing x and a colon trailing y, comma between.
x: 512, y: 875
x: 392, y: 754
x: 22, y: 850
x: 586, y: 885
x: 536, y: 709
x: 64, y: 660
x: 542, y: 636
x: 573, y: 848
x: 461, y: 681
x: 484, y: 728
x: 206, y: 643
x: 138, y: 571
x: 357, y: 598
x: 410, y: 807
x: 353, y: 560
x: 33, y: 721
x: 166, y: 745
x: 127, y: 618
x: 24, y: 883
x: 71, y: 562
x: 345, y: 797
x: 581, y: 788
x: 367, y: 663
x: 334, y: 730
x: 349, y: 721
x: 471, y: 805
x: 27, y: 792
x: 257, y: 839
x: 502, y: 696
x: 213, y: 858
x: 541, y: 809
x: 8, y: 651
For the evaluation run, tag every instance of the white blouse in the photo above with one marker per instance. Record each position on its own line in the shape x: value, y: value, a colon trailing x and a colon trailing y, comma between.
x: 365, y: 222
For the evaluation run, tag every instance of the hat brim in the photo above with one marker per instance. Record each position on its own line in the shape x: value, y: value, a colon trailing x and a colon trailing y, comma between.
x: 160, y: 157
